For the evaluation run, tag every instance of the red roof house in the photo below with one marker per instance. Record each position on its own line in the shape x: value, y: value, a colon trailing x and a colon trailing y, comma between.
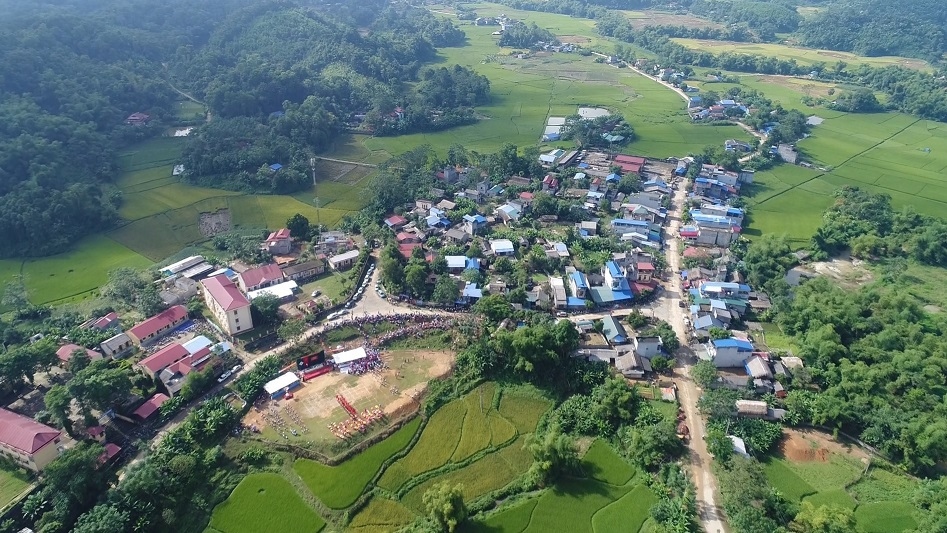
x: 27, y: 440
x: 158, y: 325
x: 137, y: 119
x: 260, y: 277
x: 109, y: 453
x: 629, y: 163
x: 280, y: 242
x: 64, y: 353
x: 395, y: 221
x: 106, y: 321
x: 646, y: 267
x: 164, y: 357
x: 224, y: 292
x: 151, y: 406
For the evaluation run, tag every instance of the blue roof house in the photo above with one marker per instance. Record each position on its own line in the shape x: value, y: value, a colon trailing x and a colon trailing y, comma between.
x: 275, y: 167
x: 729, y: 353
x: 579, y: 283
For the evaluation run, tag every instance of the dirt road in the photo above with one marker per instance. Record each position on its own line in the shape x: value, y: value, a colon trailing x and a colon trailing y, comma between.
x: 711, y: 516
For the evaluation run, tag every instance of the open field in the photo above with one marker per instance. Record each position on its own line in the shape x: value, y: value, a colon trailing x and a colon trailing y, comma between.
x: 314, y: 406
x: 812, y: 467
x: 641, y: 19
x: 803, y: 56
x: 264, y: 503
x: 339, y: 486
x: 381, y: 515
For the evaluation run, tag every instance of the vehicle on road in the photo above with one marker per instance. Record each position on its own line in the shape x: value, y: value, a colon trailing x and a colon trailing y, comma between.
x: 223, y: 377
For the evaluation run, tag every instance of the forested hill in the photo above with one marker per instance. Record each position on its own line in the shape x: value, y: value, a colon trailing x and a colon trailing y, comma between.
x: 282, y: 81
x: 69, y: 76
x: 916, y: 28
x: 279, y: 78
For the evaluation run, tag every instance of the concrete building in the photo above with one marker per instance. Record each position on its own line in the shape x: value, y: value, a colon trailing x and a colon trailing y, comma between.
x: 26, y: 442
x: 228, y: 305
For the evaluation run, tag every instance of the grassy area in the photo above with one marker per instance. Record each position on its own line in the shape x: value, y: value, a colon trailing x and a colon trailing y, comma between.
x: 571, y: 505
x: 775, y: 338
x: 512, y: 520
x: 264, y: 503
x: 667, y: 409
x: 12, y: 483
x: 339, y: 486
x: 802, y: 56
x: 523, y: 408
x: 189, y: 110
x: 782, y: 477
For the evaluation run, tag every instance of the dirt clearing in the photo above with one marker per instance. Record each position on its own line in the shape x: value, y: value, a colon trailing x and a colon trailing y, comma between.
x: 803, y: 446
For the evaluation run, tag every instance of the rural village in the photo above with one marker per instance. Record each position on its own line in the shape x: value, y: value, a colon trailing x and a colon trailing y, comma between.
x: 587, y: 333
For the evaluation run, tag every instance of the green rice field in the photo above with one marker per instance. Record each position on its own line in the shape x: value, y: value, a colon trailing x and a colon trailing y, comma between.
x: 12, y: 484
x: 339, y: 486
x: 264, y: 503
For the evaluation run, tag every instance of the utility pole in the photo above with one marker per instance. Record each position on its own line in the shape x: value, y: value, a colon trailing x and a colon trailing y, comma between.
x: 312, y: 166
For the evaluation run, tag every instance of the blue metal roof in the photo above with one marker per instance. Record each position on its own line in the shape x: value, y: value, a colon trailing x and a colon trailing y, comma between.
x: 612, y: 177
x: 572, y: 301
x: 630, y: 222
x: 473, y: 263
x: 613, y: 269
x: 275, y: 166
x: 579, y: 280
x: 733, y: 343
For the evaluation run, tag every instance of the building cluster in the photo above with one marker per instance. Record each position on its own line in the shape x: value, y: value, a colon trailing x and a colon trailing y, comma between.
x: 715, y: 223
x: 610, y: 342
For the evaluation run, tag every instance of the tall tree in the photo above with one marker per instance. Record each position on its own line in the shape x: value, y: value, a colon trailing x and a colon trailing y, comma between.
x: 445, y: 506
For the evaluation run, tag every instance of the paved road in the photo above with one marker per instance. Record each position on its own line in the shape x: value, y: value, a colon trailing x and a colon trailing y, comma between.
x: 711, y: 516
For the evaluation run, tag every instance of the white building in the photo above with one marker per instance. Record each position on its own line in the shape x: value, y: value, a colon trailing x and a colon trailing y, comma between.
x: 228, y: 305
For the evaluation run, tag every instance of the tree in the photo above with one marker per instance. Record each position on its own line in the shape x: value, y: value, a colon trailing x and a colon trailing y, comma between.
x: 493, y: 307
x: 649, y: 446
x: 291, y: 330
x: 149, y: 301
x: 824, y: 519
x: 445, y: 506
x: 124, y: 284
x: 265, y: 309
x: 415, y: 278
x: 57, y: 402
x: 661, y: 364
x: 78, y: 360
x: 704, y: 373
x: 446, y: 290
x: 15, y: 294
x: 719, y: 444
x: 298, y: 226
x: 99, y: 385
x: 103, y: 518
x: 637, y: 319
x: 668, y: 337
x: 719, y: 333
x: 475, y: 249
x: 554, y: 455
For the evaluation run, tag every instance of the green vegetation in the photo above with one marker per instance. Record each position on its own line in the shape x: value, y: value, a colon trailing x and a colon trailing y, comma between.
x: 629, y: 513
x: 781, y: 476
x: 12, y: 484
x: 512, y: 520
x: 882, y: 517
x: 339, y: 486
x: 604, y: 465
x: 381, y: 515
x: 264, y: 503
x: 802, y: 56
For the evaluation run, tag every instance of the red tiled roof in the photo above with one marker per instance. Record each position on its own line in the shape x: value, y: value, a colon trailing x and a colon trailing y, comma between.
x: 225, y: 292
x: 95, y: 431
x: 689, y: 233
x: 396, y: 220
x: 405, y: 236
x: 645, y: 266
x: 64, y: 353
x: 151, y: 406
x: 629, y: 167
x: 106, y: 321
x: 164, y: 357
x: 158, y: 322
x: 195, y: 361
x: 24, y: 433
x: 111, y: 450
x: 407, y: 248
x: 691, y: 251
x: 526, y: 195
x: 634, y: 160
x: 260, y: 275
x: 280, y: 235
x: 638, y: 287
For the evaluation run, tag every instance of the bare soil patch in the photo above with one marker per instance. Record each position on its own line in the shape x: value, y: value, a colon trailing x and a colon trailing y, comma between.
x: 574, y: 39
x: 211, y: 224
x: 657, y: 18
x: 848, y: 272
x: 807, y: 445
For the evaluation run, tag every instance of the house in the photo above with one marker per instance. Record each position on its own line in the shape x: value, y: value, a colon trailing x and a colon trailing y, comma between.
x: 587, y: 228
x: 305, y: 271
x: 629, y: 163
x: 647, y: 346
x: 117, y: 346
x: 752, y: 408
x: 279, y: 242
x: 260, y: 277
x: 694, y: 101
x: 436, y: 219
x: 509, y: 212
x: 557, y: 250
x: 579, y: 284
x: 526, y: 198
x: 276, y: 167
x: 105, y: 323
x: 456, y: 264
x: 722, y: 289
x: 474, y: 224
x: 626, y: 225
x: 334, y: 242
x: 613, y: 331
x: 446, y: 205
x: 456, y: 236
x: 174, y: 375
x: 729, y: 353
x: 550, y: 183
x: 631, y: 365
x: 66, y: 351
x: 343, y: 261
x: 158, y: 326
x: 502, y: 247
x: 551, y: 157
x: 645, y: 272
x: 156, y: 362
x: 423, y: 205
x: 733, y: 145
x: 471, y: 293
x: 228, y: 305
x: 138, y: 119
x: 758, y: 368
x: 26, y: 442
x: 151, y: 406
x: 396, y: 221
x: 615, y: 289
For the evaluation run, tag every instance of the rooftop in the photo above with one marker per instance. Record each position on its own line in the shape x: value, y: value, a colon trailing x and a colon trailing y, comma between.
x: 158, y: 322
x: 261, y: 275
x: 225, y: 292
x: 24, y: 433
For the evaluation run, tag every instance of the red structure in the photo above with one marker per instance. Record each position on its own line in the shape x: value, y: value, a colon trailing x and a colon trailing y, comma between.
x: 346, y: 405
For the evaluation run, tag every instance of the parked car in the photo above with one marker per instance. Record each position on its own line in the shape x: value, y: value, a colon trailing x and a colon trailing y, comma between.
x: 316, y: 293
x: 562, y: 314
x: 223, y: 377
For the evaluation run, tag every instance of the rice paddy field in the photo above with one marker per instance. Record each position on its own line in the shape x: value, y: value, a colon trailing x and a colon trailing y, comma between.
x: 881, y: 499
x: 803, y: 56
x: 264, y: 503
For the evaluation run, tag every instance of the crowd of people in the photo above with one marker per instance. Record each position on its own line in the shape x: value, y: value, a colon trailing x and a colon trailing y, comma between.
x: 275, y: 419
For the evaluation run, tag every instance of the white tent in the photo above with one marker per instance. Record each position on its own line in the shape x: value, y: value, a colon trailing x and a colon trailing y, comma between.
x: 287, y: 380
x: 348, y: 356
x: 279, y: 291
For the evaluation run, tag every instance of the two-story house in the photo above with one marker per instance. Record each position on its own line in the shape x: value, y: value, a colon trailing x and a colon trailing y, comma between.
x: 228, y: 305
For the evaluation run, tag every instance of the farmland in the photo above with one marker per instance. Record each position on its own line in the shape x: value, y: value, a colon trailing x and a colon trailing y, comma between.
x: 811, y: 468
x: 264, y: 503
x: 802, y: 56
x: 339, y: 486
x: 12, y: 483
